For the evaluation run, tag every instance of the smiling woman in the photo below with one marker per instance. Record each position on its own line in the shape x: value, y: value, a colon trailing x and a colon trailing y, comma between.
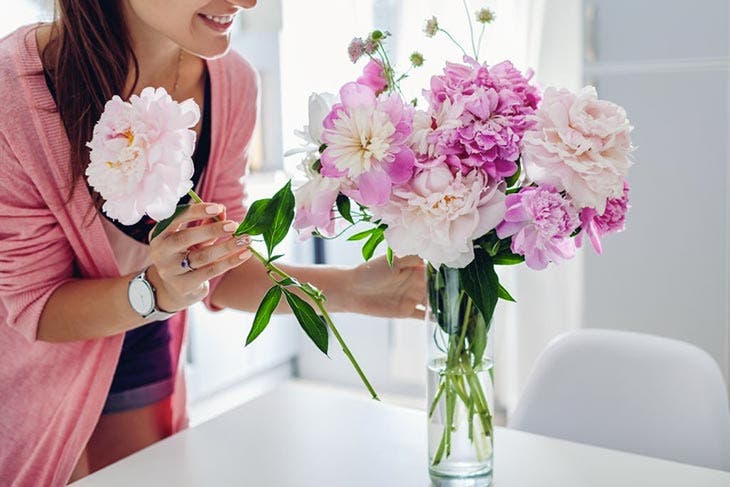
x: 92, y: 314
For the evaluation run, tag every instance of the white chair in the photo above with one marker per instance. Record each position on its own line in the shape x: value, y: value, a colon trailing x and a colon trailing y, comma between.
x: 628, y: 391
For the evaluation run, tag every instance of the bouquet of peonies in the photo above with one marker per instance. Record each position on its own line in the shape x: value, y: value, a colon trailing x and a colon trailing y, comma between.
x: 491, y: 172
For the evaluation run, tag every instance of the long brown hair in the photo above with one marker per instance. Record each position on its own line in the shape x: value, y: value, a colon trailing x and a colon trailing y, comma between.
x: 88, y: 59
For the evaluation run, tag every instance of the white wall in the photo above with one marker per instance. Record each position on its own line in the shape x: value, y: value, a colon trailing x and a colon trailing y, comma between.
x: 668, y: 63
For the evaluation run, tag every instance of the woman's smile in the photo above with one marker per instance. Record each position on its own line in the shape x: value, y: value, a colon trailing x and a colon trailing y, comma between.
x: 219, y: 23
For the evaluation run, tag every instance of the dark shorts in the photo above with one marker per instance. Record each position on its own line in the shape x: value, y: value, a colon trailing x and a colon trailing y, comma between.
x: 144, y: 373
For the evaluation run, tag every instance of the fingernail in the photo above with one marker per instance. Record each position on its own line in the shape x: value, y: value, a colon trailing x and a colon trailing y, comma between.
x: 244, y: 255
x: 243, y: 241
x: 229, y: 227
x: 213, y: 209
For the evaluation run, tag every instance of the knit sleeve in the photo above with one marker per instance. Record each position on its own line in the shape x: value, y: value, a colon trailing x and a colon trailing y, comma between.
x: 35, y: 256
x: 228, y: 189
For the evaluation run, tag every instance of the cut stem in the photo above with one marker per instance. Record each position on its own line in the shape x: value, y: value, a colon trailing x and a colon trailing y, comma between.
x: 318, y: 299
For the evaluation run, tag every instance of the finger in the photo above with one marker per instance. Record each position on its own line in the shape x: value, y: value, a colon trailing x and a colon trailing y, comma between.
x: 408, y: 261
x: 195, y: 212
x: 419, y: 312
x: 209, y: 254
x: 182, y: 240
x: 221, y: 217
x: 192, y: 279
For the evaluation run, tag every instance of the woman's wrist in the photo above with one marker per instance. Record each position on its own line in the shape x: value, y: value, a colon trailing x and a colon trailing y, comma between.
x: 342, y: 296
x: 162, y: 301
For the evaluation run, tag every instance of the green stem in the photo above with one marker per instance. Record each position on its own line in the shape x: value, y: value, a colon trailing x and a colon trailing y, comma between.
x: 436, y: 398
x: 345, y: 349
x: 471, y: 29
x: 482, y: 404
x: 479, y: 43
x: 454, y: 41
x: 318, y: 299
x: 467, y: 313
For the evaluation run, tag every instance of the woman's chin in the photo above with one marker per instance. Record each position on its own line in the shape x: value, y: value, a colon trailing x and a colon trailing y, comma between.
x: 210, y: 50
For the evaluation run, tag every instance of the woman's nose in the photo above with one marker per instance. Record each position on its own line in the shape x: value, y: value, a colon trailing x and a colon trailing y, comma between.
x: 243, y: 3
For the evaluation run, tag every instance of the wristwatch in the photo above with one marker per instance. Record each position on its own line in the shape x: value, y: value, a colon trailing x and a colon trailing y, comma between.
x: 141, y: 295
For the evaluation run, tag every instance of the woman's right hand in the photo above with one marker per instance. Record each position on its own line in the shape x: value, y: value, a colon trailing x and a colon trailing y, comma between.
x: 210, y: 249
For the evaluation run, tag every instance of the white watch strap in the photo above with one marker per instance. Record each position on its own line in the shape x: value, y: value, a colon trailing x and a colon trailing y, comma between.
x: 157, y: 314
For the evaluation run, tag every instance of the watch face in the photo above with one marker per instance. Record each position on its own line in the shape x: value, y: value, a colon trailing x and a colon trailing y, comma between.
x: 141, y: 297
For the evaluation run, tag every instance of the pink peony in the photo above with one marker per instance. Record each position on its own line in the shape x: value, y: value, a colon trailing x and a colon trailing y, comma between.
x: 540, y: 222
x: 580, y: 144
x: 495, y: 105
x: 612, y: 220
x: 439, y: 214
x: 374, y: 77
x: 314, y: 205
x: 141, y: 155
x: 366, y: 139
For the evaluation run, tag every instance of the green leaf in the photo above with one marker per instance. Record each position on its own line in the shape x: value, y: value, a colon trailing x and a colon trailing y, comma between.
x: 512, y: 180
x: 508, y: 259
x: 288, y: 281
x: 478, y: 340
x: 361, y: 235
x: 263, y: 314
x: 281, y: 211
x: 505, y: 256
x: 162, y: 225
x: 257, y: 219
x: 343, y: 206
x: 481, y: 283
x: 275, y: 257
x: 375, y: 239
x: 309, y: 320
x: 389, y: 257
x: 504, y: 294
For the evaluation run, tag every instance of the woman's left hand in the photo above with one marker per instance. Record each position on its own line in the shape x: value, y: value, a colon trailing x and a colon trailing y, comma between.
x: 397, y: 292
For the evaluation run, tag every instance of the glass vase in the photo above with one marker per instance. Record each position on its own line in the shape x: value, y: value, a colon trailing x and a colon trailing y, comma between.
x: 460, y: 388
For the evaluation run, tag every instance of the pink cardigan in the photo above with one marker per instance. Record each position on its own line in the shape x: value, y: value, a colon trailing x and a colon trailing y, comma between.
x: 51, y: 395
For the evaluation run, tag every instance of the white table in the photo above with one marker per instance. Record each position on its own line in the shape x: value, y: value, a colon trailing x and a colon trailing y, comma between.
x: 302, y: 435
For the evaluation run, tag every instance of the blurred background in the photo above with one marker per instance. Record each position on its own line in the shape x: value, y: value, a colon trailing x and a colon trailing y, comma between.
x: 666, y: 61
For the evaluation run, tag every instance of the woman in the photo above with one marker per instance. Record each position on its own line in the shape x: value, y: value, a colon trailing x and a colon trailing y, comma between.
x: 88, y: 373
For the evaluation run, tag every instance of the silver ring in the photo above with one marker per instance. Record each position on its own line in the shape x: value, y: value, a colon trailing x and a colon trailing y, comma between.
x: 185, y: 263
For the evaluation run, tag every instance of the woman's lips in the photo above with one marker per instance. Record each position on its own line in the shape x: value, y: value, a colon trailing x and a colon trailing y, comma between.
x: 219, y: 23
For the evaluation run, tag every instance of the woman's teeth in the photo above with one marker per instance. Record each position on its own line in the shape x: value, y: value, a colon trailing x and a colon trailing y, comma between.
x: 220, y: 20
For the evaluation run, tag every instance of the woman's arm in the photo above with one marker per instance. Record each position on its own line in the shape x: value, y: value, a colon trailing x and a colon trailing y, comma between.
x: 372, y: 288
x: 70, y: 314
x: 83, y: 309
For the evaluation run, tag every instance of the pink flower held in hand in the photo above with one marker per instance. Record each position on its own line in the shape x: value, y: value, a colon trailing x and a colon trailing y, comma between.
x: 141, y: 155
x: 439, y: 215
x: 366, y: 141
x: 580, y: 144
x: 540, y: 222
x: 374, y: 77
x: 612, y: 220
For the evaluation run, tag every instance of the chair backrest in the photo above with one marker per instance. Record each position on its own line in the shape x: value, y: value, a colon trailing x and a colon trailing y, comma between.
x: 629, y: 391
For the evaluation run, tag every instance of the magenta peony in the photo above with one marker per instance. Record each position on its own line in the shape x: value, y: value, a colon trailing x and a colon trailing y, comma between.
x: 141, y: 155
x: 366, y: 139
x: 613, y: 220
x: 495, y: 107
x: 540, y: 222
x: 374, y: 77
x: 579, y: 144
x: 439, y: 215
